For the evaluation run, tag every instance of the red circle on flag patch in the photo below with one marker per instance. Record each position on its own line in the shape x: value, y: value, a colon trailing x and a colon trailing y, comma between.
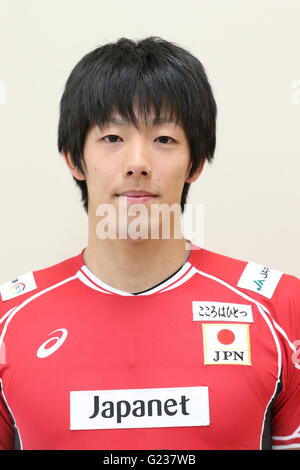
x: 226, y: 336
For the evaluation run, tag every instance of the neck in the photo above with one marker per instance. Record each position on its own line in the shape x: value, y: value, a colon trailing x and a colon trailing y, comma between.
x: 135, y: 265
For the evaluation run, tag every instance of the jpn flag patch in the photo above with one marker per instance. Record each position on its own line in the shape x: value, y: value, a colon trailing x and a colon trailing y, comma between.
x: 225, y: 343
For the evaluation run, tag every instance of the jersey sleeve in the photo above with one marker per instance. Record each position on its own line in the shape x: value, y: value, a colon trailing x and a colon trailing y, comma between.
x: 12, y: 294
x: 286, y: 409
x: 6, y: 427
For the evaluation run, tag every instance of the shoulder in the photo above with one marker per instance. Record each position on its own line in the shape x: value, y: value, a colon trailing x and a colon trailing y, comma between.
x: 215, y: 264
x: 267, y: 285
x: 16, y: 291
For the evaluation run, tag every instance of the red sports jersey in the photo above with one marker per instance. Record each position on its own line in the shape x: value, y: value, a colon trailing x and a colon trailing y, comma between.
x: 205, y: 360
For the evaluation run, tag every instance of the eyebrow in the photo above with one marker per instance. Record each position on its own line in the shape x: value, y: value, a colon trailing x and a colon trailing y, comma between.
x: 126, y: 122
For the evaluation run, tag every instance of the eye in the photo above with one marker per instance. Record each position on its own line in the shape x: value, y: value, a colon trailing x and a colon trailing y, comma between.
x: 164, y: 138
x: 111, y: 136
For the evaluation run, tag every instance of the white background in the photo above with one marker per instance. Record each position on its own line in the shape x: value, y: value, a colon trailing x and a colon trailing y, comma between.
x: 251, y: 52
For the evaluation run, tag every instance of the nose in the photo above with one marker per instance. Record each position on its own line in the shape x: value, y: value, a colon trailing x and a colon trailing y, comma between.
x: 137, y: 162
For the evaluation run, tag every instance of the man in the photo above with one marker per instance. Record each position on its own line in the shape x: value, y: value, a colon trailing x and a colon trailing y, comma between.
x: 144, y: 341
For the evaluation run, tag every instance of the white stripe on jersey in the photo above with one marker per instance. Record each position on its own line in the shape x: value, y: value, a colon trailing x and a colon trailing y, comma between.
x: 287, y: 446
x: 6, y: 315
x: 109, y: 289
x: 83, y: 278
x: 188, y: 275
x: 287, y: 438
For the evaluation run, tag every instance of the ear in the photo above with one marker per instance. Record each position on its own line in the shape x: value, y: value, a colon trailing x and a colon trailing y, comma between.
x: 73, y: 169
x: 196, y: 173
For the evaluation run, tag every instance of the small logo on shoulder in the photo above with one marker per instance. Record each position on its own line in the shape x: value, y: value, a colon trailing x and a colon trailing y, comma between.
x: 17, y: 287
x: 260, y: 278
x: 23, y: 284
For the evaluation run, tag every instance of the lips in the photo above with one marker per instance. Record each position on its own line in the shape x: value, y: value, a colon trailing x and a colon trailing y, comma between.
x: 137, y: 196
x: 135, y: 193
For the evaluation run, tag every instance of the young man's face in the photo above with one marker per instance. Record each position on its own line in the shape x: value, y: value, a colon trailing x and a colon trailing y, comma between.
x: 121, y: 159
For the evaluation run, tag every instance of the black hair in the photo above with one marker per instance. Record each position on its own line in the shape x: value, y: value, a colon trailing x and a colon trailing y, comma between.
x: 152, y: 74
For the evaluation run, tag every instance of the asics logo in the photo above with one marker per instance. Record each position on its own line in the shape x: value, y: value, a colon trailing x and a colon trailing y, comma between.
x: 45, y: 351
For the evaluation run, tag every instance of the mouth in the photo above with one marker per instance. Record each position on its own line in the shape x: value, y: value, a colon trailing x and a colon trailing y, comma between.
x: 137, y: 196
